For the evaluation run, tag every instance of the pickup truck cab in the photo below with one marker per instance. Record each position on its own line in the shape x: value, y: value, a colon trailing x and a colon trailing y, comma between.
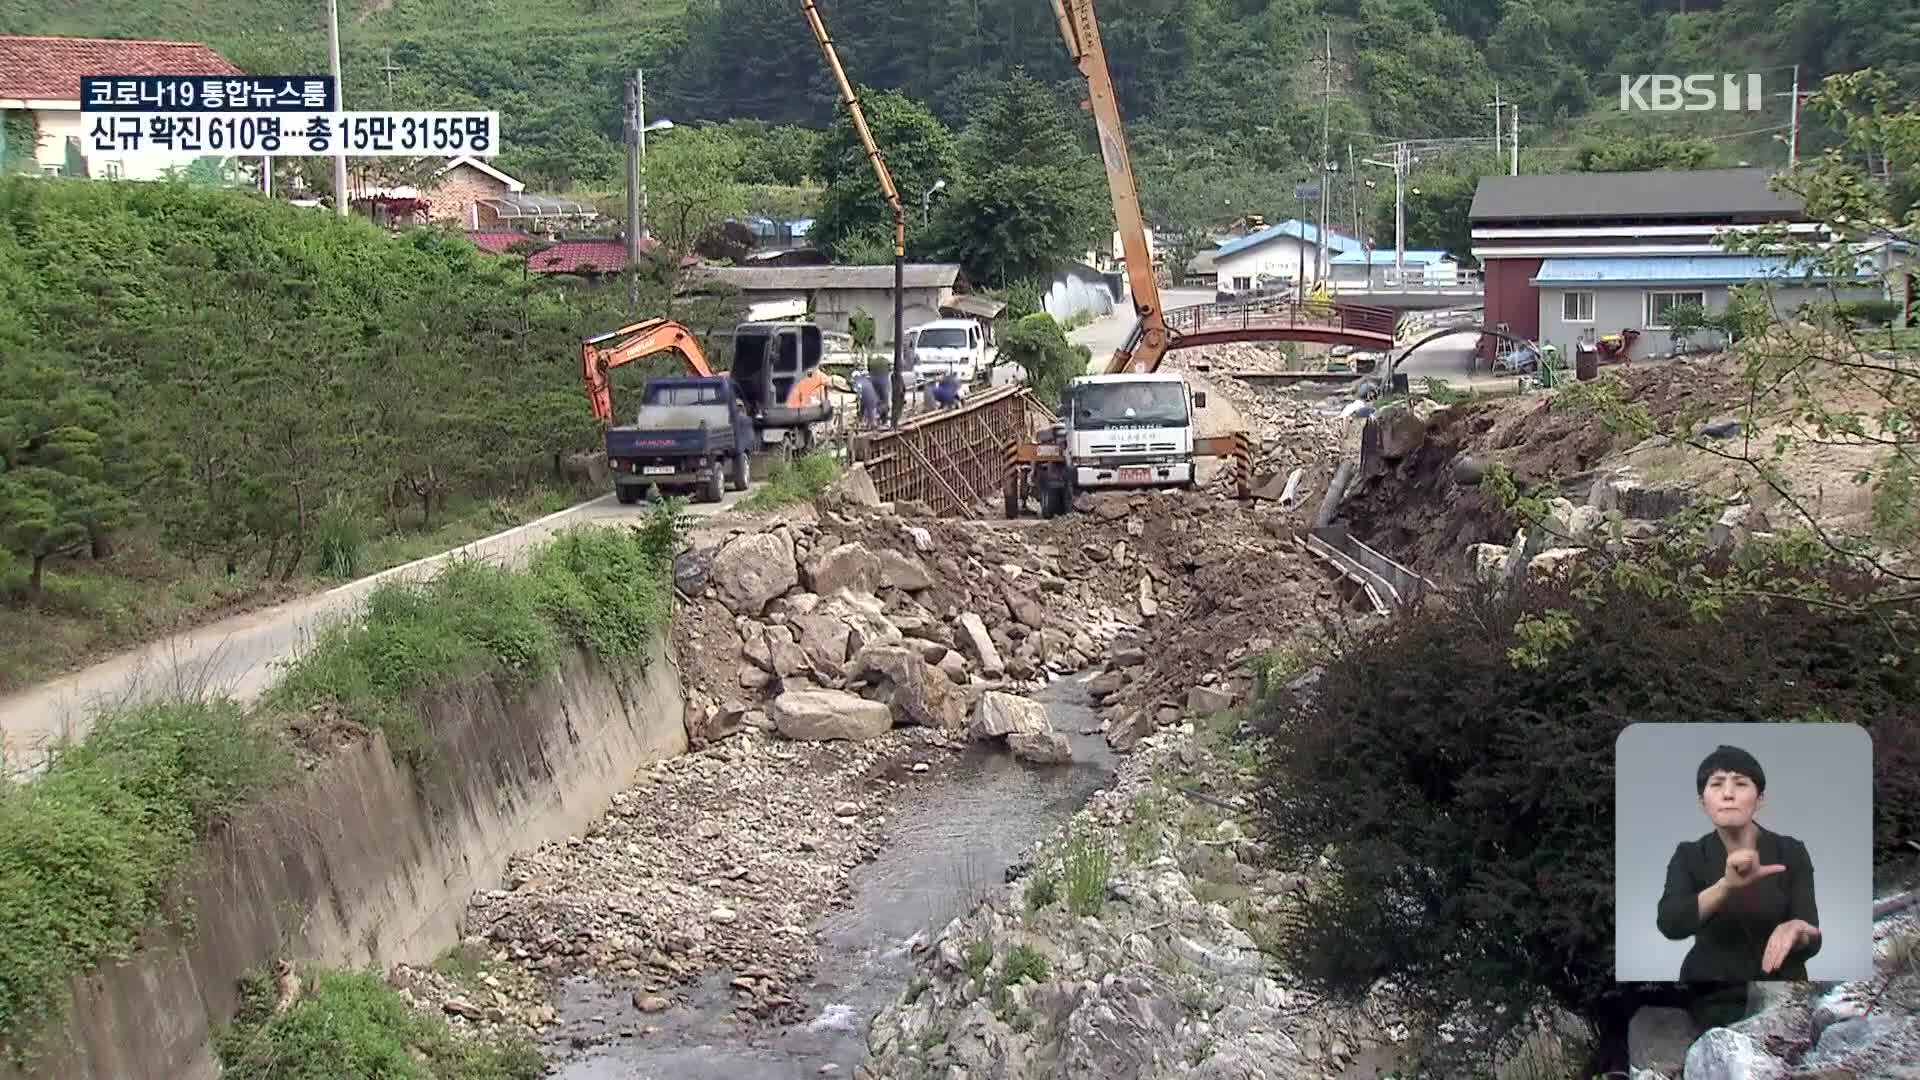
x: 944, y: 345
x: 691, y: 433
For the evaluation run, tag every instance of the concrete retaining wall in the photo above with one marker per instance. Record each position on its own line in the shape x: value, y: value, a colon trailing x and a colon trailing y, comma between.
x: 364, y: 862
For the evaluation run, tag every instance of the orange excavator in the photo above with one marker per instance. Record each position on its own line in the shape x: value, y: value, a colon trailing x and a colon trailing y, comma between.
x: 776, y: 372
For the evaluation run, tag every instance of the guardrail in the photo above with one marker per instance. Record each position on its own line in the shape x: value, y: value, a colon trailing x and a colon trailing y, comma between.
x: 1388, y: 584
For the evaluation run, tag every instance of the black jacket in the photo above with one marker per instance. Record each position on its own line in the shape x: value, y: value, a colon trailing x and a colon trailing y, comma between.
x: 1728, y: 947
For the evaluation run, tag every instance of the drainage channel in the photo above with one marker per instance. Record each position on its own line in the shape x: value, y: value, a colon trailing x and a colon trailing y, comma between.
x: 951, y: 842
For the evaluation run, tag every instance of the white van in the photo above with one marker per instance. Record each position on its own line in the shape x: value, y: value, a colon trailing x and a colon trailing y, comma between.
x: 956, y: 345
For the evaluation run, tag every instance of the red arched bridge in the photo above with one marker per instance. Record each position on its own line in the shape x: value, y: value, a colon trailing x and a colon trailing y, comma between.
x: 1278, y: 318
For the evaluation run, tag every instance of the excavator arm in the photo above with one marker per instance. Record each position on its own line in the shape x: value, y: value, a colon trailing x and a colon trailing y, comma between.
x: 600, y: 355
x: 1081, y: 32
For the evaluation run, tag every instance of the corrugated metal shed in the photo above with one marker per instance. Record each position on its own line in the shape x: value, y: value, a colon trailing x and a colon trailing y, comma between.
x: 1673, y: 193
x: 1297, y: 229
x: 1680, y: 270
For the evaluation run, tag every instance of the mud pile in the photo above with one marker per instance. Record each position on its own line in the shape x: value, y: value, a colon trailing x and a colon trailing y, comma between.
x: 1211, y: 585
x: 1418, y: 511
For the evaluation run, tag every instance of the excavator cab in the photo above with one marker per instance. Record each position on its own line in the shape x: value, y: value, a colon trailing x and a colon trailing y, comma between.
x: 776, y: 370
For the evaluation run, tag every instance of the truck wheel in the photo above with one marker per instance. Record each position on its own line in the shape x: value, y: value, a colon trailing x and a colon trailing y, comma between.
x: 627, y: 495
x: 738, y: 476
x: 710, y: 487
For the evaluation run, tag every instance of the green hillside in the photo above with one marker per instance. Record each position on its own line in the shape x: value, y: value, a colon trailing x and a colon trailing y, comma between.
x: 1223, y: 97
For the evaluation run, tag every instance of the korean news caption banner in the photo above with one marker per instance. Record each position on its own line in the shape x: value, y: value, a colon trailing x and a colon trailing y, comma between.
x: 265, y: 115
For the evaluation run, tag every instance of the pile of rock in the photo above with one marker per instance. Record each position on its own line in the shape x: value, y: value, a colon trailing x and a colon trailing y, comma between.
x: 721, y: 859
x: 1622, y: 511
x: 1130, y: 959
x: 1869, y: 1028
x: 489, y: 998
x: 840, y: 628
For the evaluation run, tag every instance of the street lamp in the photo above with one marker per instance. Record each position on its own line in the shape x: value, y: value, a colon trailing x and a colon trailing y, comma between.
x: 926, y: 201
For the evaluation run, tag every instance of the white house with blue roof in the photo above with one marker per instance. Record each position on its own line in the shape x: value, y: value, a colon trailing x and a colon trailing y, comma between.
x: 1377, y: 268
x: 1278, y: 255
x: 1573, y: 257
x: 1585, y: 297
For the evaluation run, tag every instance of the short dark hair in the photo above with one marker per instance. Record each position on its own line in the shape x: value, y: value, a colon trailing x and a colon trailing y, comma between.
x: 1730, y: 759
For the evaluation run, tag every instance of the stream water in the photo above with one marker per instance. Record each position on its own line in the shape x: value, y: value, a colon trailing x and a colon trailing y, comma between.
x: 951, y: 841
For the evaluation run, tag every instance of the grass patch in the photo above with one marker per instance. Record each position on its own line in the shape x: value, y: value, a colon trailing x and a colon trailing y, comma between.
x: 604, y: 589
x: 1088, y: 863
x: 801, y: 480
x: 1024, y: 964
x: 350, y: 1023
x: 93, y: 609
x: 88, y: 849
x: 1042, y: 890
x: 1141, y: 837
x: 978, y: 957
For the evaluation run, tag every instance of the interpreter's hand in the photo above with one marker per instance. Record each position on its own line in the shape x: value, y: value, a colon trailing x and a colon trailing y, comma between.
x: 1786, y: 937
x: 1743, y: 868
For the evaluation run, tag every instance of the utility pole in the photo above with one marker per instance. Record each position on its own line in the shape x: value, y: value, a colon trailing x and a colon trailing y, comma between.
x: 1402, y: 161
x: 340, y: 102
x: 1496, y: 105
x: 1326, y: 136
x: 640, y: 125
x: 1516, y: 139
x: 389, y: 67
x: 631, y: 131
x: 1793, y: 125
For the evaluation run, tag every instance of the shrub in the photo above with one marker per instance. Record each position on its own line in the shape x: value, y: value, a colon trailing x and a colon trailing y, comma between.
x: 1471, y: 812
x: 351, y: 1024
x: 1050, y: 361
x: 803, y: 479
x: 88, y: 849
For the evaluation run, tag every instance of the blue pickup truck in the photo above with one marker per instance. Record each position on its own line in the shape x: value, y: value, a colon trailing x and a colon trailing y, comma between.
x: 691, y: 434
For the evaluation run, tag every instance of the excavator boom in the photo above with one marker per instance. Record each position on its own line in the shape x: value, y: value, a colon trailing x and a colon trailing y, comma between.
x: 600, y: 355
x: 1081, y: 32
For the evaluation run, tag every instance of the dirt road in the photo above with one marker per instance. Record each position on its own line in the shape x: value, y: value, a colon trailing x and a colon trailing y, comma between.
x: 242, y: 655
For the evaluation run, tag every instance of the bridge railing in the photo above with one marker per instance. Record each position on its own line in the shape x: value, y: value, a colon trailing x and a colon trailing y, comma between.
x: 1271, y: 312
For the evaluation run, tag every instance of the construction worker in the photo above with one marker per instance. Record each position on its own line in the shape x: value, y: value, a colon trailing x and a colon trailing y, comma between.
x: 946, y: 392
x: 869, y: 392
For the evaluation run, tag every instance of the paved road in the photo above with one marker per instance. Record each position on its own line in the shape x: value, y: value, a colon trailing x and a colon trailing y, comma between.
x: 1103, y: 336
x: 241, y: 655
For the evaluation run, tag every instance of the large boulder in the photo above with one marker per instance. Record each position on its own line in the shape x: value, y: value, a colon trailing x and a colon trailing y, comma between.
x: 918, y: 692
x: 1000, y: 714
x: 1026, y: 610
x: 820, y: 715
x: 772, y: 649
x: 751, y: 570
x: 864, y: 615
x: 854, y: 488
x: 1626, y: 491
x: 824, y: 640
x: 1041, y: 747
x: 903, y: 572
x: 845, y: 566
x: 977, y: 641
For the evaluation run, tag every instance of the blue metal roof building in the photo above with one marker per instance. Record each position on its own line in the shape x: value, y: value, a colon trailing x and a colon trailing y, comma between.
x: 1385, y: 256
x: 1298, y: 230
x: 1682, y: 270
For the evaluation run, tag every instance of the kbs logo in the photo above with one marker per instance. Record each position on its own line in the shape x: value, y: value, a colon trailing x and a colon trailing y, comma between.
x: 1692, y: 93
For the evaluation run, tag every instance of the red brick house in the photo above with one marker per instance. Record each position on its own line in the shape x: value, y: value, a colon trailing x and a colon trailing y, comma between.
x: 40, y: 77
x: 584, y: 255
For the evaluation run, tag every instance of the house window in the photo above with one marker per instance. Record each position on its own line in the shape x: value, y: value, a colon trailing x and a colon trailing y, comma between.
x: 1576, y: 307
x: 1659, y: 303
x: 1242, y: 284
